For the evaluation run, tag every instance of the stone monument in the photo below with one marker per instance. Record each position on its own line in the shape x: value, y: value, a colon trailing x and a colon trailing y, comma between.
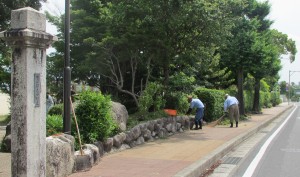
x: 29, y: 41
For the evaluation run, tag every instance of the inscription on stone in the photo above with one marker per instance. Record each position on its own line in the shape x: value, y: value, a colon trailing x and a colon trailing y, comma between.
x: 37, y: 89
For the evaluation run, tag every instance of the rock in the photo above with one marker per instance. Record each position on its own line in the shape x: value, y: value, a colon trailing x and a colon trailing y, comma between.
x: 148, y: 135
x: 162, y: 133
x: 129, y: 137
x: 100, y: 147
x: 95, y: 152
x: 108, y: 144
x: 120, y: 114
x: 83, y: 162
x: 60, y: 156
x: 119, y: 139
x: 151, y: 125
x: 136, y: 132
x: 140, y: 141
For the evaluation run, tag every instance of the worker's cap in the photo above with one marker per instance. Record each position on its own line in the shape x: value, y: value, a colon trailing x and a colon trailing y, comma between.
x: 226, y: 95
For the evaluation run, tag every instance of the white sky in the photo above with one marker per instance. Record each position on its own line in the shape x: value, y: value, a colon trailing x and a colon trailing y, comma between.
x: 284, y: 13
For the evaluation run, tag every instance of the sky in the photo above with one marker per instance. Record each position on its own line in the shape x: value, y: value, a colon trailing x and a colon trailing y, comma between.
x: 284, y: 13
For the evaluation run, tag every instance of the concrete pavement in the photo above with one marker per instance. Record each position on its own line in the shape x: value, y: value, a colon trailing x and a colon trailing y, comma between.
x: 187, y: 154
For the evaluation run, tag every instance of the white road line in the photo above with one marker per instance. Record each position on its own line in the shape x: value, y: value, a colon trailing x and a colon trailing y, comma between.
x: 250, y: 170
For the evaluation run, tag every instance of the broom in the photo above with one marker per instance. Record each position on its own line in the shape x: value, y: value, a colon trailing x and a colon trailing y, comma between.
x: 216, y: 122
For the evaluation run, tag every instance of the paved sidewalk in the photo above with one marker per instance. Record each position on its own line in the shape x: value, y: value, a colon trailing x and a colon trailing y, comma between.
x: 186, y: 154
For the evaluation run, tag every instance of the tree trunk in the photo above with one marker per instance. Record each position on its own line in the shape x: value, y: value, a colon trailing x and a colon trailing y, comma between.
x: 255, y: 107
x: 240, y: 95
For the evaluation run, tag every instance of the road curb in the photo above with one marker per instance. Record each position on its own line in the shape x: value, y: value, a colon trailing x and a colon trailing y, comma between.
x: 200, y: 166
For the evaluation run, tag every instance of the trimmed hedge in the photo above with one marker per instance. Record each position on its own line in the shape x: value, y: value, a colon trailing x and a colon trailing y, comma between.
x: 213, y: 101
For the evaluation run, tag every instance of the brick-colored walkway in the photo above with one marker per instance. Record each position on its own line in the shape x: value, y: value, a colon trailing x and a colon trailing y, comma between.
x: 167, y: 157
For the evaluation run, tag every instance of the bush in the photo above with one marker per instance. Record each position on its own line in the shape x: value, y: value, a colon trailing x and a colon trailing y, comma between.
x: 178, y: 101
x: 248, y: 100
x: 275, y: 98
x: 151, y: 98
x: 265, y: 100
x: 213, y: 101
x: 57, y: 109
x: 94, y: 118
x: 54, y: 124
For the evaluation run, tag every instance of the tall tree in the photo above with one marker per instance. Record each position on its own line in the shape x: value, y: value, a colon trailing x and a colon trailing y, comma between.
x: 130, y: 42
x: 237, y: 54
x: 268, y: 50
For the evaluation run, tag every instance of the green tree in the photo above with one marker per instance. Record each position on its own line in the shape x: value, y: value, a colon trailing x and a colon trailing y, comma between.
x: 267, y: 55
x: 283, y: 87
x: 130, y: 43
x: 237, y: 53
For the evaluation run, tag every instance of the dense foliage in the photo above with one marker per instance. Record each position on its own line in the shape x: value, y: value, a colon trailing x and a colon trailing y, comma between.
x: 213, y: 101
x: 122, y: 46
x: 149, y: 55
x: 94, y: 119
x: 56, y: 110
x: 54, y: 124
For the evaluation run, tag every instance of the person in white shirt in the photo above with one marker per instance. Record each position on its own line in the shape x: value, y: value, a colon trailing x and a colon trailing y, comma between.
x: 49, y: 102
x: 231, y: 105
x: 196, y: 103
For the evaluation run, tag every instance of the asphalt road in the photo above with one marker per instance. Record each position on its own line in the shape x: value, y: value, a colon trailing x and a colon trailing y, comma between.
x: 278, y: 153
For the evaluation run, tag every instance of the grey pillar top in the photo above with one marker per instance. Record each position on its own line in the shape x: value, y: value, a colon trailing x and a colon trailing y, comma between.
x: 28, y: 18
x: 28, y: 28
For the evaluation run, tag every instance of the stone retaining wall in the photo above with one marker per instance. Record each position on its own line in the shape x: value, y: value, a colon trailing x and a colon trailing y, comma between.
x: 140, y: 134
x: 62, y: 160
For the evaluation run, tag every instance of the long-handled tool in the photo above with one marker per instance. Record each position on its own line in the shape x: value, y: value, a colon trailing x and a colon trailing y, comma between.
x: 216, y: 122
x: 78, y: 133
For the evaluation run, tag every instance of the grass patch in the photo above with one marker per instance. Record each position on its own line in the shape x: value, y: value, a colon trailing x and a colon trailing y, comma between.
x: 4, y: 119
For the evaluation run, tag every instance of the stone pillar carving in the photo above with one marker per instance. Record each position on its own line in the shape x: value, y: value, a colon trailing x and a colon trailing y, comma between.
x: 29, y: 41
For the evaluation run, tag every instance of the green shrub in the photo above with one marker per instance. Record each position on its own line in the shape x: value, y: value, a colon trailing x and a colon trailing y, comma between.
x: 57, y: 109
x: 265, y: 100
x: 248, y: 100
x: 213, y: 101
x: 275, y: 98
x: 54, y: 124
x: 178, y: 101
x: 94, y: 118
x: 151, y: 97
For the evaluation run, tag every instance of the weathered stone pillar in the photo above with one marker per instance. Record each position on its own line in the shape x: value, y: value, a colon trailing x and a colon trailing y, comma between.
x: 29, y: 40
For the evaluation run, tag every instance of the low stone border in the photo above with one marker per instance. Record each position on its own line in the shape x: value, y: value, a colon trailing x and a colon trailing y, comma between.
x: 60, y: 165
